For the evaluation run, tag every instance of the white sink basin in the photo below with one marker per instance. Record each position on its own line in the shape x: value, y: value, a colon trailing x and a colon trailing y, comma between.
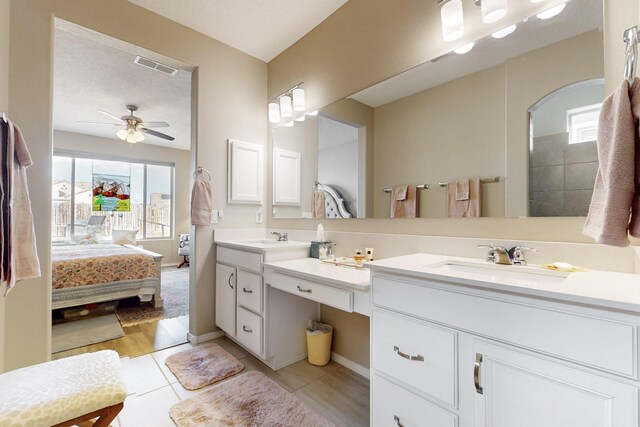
x: 512, y: 274
x: 264, y: 242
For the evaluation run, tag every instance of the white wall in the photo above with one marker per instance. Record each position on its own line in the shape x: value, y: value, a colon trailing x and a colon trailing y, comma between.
x: 76, y: 142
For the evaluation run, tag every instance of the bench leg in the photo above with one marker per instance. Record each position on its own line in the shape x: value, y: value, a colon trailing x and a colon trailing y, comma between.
x: 105, y: 416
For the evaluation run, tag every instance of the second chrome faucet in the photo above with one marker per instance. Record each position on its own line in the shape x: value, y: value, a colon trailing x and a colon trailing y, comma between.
x: 502, y: 255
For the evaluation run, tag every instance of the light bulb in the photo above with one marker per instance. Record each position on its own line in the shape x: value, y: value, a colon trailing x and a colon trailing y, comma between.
x: 504, y: 32
x: 550, y: 13
x: 131, y: 136
x: 493, y: 10
x: 298, y: 99
x: 139, y: 136
x: 464, y: 49
x: 289, y: 124
x: 452, y: 18
x: 122, y: 134
x: 285, y: 106
x: 274, y: 112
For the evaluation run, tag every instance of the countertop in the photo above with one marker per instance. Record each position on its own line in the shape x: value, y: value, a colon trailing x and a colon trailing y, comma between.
x: 620, y: 291
x: 316, y: 270
x: 262, y: 245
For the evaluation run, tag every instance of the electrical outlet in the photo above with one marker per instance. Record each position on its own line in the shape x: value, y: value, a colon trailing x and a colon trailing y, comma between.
x: 214, y: 217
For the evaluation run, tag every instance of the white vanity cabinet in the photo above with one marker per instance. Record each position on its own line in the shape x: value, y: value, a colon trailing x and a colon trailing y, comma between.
x: 444, y: 353
x: 226, y: 298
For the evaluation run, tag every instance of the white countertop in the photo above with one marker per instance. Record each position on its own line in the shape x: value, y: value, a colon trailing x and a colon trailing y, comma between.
x: 606, y: 289
x: 314, y: 269
x: 262, y: 245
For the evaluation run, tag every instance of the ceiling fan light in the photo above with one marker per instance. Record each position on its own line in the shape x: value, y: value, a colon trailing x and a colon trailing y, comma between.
x: 139, y: 136
x: 274, y: 112
x: 299, y: 103
x: 551, y: 12
x: 285, y: 106
x: 452, y: 18
x: 493, y: 10
x: 122, y: 134
x: 504, y: 32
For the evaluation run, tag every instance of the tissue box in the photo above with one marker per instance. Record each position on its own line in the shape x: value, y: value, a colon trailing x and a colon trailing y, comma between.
x: 315, y: 248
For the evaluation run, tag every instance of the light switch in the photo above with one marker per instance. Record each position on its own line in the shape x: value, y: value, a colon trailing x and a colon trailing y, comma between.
x: 214, y: 217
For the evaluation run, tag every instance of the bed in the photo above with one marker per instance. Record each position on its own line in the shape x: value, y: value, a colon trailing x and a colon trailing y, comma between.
x: 84, y: 274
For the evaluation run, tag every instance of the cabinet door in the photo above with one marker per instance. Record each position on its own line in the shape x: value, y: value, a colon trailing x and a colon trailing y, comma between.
x: 226, y: 298
x: 516, y: 389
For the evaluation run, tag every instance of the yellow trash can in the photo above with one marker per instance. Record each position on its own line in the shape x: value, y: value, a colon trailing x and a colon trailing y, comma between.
x: 319, y: 337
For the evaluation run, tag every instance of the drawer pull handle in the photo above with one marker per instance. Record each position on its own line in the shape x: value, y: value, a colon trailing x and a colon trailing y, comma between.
x: 308, y: 291
x: 417, y: 358
x: 247, y: 291
x: 229, y: 280
x: 397, y: 420
x: 244, y: 328
x: 476, y: 373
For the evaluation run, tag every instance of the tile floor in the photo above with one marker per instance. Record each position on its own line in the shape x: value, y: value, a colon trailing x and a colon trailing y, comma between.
x: 333, y: 391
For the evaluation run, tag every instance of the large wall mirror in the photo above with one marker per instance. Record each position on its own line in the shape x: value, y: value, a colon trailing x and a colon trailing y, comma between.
x: 485, y: 133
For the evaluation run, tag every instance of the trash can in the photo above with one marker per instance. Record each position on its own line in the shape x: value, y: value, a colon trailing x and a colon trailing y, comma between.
x: 319, y: 337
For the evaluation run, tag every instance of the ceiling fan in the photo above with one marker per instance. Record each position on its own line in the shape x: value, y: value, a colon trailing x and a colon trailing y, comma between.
x: 133, y: 126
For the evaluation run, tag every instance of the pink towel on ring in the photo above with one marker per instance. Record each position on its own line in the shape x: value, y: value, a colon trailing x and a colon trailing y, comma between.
x: 201, y: 203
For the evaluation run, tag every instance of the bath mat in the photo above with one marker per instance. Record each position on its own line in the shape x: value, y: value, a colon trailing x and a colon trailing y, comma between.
x: 250, y: 399
x: 80, y: 333
x: 203, y: 365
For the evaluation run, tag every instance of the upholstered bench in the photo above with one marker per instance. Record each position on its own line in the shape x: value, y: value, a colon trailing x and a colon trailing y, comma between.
x: 63, y: 392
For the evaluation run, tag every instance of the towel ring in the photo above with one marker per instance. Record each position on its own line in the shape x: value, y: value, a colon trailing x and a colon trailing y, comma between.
x: 201, y: 170
x: 631, y: 54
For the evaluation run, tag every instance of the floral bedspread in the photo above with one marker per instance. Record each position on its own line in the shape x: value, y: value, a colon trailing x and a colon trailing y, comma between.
x: 82, y: 265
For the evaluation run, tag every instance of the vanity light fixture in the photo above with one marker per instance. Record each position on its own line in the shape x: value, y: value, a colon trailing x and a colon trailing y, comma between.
x: 504, y: 32
x: 274, y: 112
x: 492, y: 10
x: 551, y: 12
x: 283, y: 105
x: 464, y: 49
x: 452, y: 18
x: 298, y: 99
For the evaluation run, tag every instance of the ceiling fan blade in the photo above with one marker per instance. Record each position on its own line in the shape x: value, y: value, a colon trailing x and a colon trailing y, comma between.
x: 111, y: 115
x: 155, y: 124
x: 158, y: 134
x: 99, y: 123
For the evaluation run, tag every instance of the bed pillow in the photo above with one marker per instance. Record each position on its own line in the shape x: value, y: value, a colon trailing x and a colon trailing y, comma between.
x: 84, y: 239
x: 124, y: 237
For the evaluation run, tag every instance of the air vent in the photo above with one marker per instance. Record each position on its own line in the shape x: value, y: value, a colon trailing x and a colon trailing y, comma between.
x: 145, y: 62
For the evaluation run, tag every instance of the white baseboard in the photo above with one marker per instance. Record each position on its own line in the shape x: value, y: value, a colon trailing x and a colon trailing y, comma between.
x: 349, y: 364
x: 198, y: 339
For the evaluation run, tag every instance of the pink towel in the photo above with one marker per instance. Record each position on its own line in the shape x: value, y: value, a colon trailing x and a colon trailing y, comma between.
x: 319, y: 209
x: 201, y: 203
x: 471, y: 207
x: 613, y: 193
x: 407, y: 206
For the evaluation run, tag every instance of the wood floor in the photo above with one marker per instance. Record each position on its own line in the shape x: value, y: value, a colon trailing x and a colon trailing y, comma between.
x: 140, y: 339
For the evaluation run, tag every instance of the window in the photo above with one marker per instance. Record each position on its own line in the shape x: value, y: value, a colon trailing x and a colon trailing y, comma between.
x: 141, y: 195
x: 582, y: 123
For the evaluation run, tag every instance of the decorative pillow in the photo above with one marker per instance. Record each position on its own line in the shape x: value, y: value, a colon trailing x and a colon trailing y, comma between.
x: 123, y: 237
x: 84, y: 239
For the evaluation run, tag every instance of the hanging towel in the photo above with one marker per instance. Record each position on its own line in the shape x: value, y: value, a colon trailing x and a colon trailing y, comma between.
x: 634, y: 224
x: 466, y: 208
x: 613, y: 193
x: 319, y: 210
x: 201, y: 203
x: 406, y: 207
x: 19, y: 250
x: 462, y: 189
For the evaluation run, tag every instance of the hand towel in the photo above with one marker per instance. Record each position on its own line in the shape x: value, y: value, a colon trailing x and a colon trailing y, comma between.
x: 201, y: 203
x: 613, y: 193
x: 634, y: 224
x: 469, y: 208
x: 462, y: 189
x: 319, y: 205
x: 407, y: 207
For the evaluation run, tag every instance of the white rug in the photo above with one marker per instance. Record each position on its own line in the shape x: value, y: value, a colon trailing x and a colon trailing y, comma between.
x: 66, y: 336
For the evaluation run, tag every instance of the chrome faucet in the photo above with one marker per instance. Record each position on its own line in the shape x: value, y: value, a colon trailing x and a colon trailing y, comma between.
x: 517, y: 254
x: 281, y: 237
x: 497, y: 254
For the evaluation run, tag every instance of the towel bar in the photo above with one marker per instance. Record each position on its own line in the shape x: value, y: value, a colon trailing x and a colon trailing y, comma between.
x: 419, y: 187
x: 484, y: 181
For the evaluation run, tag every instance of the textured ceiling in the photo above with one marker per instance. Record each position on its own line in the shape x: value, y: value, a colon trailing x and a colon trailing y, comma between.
x: 93, y: 71
x: 261, y: 28
x: 577, y: 18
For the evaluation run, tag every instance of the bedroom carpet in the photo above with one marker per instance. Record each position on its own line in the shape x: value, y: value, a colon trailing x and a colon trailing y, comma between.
x: 249, y: 399
x: 175, y: 293
x: 203, y: 365
x: 80, y: 333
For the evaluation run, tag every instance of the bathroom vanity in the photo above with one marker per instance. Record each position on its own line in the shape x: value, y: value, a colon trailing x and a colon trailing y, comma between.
x: 460, y: 342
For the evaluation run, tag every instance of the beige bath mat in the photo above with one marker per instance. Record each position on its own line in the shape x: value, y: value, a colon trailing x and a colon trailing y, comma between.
x: 203, y: 365
x: 250, y: 399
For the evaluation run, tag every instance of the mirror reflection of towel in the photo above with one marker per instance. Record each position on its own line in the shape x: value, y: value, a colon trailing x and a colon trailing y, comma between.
x: 469, y: 208
x: 462, y: 189
x: 407, y: 206
x: 319, y: 210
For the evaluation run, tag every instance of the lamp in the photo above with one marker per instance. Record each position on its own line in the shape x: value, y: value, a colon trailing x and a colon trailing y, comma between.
x: 285, y: 106
x: 122, y: 134
x: 493, y: 10
x: 274, y: 112
x: 452, y: 18
x: 504, y: 32
x: 298, y: 99
x: 550, y: 13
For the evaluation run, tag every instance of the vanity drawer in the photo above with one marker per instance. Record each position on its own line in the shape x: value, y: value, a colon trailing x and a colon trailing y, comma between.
x: 599, y: 342
x: 250, y: 291
x: 249, y: 330
x: 417, y: 353
x: 390, y: 401
x: 323, y: 294
x: 247, y: 260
